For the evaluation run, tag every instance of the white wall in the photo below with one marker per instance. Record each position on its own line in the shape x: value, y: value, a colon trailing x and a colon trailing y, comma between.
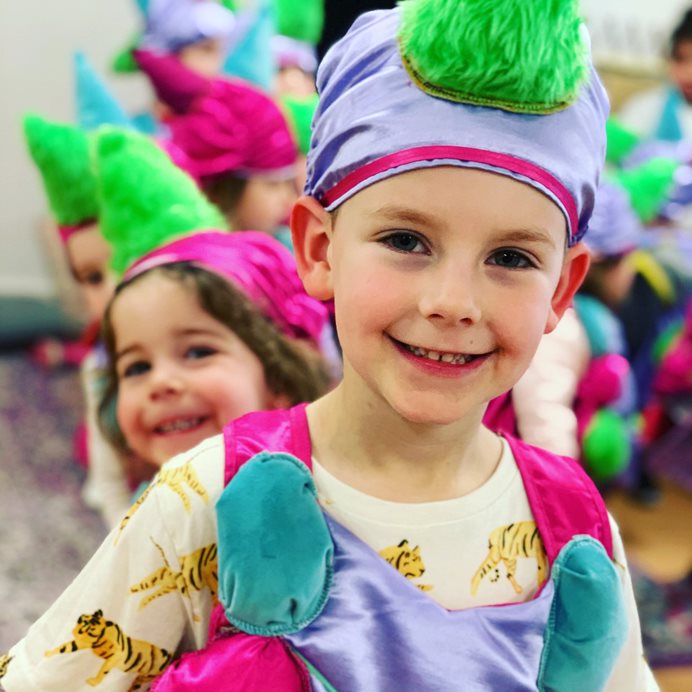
x: 37, y: 39
x: 632, y: 31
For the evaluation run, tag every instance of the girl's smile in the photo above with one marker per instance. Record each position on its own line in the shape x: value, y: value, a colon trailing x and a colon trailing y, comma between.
x: 182, y: 375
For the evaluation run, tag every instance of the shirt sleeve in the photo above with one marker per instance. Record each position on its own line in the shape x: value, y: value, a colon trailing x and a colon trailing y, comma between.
x: 144, y: 598
x: 631, y: 672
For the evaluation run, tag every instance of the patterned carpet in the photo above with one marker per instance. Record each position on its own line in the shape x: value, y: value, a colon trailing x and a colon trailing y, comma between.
x: 47, y: 534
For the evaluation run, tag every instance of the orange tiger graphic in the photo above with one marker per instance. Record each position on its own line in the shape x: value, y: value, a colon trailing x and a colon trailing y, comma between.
x: 107, y: 641
x: 407, y: 561
x: 506, y: 544
x: 4, y: 662
x: 197, y: 571
x: 174, y: 478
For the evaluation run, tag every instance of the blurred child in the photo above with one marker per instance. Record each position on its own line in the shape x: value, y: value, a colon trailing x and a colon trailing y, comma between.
x: 203, y: 328
x: 238, y: 139
x: 361, y: 538
x: 665, y: 113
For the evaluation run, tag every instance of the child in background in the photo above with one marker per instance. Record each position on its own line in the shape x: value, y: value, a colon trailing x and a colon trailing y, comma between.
x: 205, y: 326
x: 236, y: 137
x: 440, y: 199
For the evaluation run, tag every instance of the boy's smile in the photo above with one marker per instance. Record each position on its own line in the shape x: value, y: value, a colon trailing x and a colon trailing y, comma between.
x: 442, y: 293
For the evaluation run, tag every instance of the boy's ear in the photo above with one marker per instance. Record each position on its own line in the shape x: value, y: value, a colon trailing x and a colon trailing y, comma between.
x: 311, y: 230
x: 574, y: 270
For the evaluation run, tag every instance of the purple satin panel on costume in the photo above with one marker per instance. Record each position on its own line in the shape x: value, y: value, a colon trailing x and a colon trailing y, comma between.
x: 369, y: 108
x: 379, y: 632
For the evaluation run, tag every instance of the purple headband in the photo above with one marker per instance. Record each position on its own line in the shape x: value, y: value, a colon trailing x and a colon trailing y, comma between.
x: 174, y: 24
x: 289, y: 52
x: 614, y: 228
x: 372, y: 122
x: 261, y: 267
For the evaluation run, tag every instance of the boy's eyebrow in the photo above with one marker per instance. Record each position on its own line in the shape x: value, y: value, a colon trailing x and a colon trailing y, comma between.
x: 397, y: 213
x: 530, y: 235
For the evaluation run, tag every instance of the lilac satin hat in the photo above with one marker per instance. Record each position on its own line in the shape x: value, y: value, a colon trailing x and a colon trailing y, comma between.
x: 614, y: 229
x: 173, y: 24
x: 378, y: 116
x: 261, y: 267
x: 223, y: 125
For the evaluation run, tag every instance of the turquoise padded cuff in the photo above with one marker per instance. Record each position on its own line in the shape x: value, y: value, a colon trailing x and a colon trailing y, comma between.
x: 588, y: 624
x: 275, y: 549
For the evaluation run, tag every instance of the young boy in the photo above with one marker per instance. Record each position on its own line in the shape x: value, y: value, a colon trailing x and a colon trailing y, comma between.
x: 439, y: 207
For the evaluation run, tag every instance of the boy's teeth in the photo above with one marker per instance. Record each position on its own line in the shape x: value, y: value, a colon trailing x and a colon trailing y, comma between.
x: 457, y: 359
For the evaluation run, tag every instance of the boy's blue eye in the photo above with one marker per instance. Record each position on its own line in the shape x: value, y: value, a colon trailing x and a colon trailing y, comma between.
x: 511, y: 259
x: 402, y: 241
x: 137, y: 368
x: 197, y: 352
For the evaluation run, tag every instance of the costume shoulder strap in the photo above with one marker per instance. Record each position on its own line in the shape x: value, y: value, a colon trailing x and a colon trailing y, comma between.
x: 564, y: 500
x: 282, y: 430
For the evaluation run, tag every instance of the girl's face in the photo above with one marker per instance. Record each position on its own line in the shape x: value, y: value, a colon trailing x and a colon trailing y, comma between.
x: 444, y: 281
x: 182, y: 375
x: 203, y: 57
x: 264, y: 204
x: 88, y: 254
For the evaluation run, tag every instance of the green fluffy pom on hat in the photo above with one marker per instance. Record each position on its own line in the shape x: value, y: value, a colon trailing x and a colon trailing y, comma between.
x: 648, y: 185
x: 300, y: 112
x: 145, y: 200
x: 526, y: 56
x: 302, y: 20
x: 61, y: 153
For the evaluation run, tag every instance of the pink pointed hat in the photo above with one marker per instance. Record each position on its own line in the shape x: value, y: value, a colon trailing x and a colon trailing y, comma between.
x: 223, y: 125
x: 259, y: 265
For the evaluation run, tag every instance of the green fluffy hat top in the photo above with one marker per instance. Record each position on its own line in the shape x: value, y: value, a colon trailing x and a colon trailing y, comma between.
x: 145, y: 200
x: 300, y: 113
x: 61, y: 153
x: 525, y: 56
x: 621, y: 142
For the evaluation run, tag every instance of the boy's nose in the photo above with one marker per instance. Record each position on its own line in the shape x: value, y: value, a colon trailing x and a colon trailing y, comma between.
x: 451, y: 296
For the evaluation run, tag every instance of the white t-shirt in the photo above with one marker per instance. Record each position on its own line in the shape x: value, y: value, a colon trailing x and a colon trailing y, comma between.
x: 125, y: 603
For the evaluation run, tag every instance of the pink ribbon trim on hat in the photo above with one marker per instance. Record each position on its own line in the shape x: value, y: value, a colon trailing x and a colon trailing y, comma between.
x: 67, y: 231
x: 509, y: 163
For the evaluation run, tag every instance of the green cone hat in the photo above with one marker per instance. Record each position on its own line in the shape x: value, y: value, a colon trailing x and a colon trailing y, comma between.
x: 145, y: 200
x: 302, y: 20
x: 300, y: 112
x: 525, y: 56
x: 61, y: 153
x: 621, y: 142
x: 648, y: 185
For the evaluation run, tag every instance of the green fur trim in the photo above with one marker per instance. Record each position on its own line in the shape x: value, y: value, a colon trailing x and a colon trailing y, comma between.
x: 621, y: 141
x: 524, y: 56
x: 146, y: 201
x: 61, y: 153
x: 300, y: 112
x: 648, y: 185
x: 302, y: 20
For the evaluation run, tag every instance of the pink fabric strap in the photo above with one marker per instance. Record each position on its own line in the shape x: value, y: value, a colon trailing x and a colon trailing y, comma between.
x: 283, y: 430
x: 506, y: 162
x: 563, y: 499
x: 69, y: 230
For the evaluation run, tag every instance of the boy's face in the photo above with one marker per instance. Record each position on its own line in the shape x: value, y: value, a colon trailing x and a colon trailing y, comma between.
x: 680, y: 67
x: 444, y: 281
